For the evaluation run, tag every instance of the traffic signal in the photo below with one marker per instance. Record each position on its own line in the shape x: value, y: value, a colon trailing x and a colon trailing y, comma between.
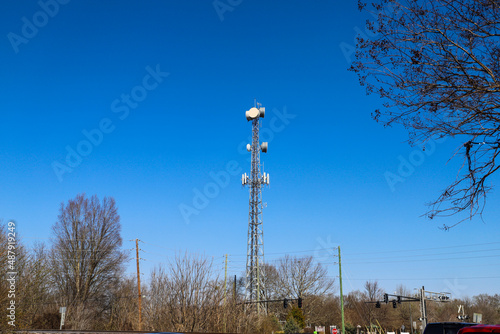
x: 299, y: 302
x: 285, y: 303
x: 377, y: 305
x: 399, y: 299
x: 394, y: 304
x: 386, y: 298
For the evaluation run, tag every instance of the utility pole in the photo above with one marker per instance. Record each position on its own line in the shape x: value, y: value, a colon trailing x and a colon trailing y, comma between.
x: 341, y: 294
x: 139, y: 284
x: 234, y: 289
x: 225, y: 293
x: 411, y: 321
x: 423, y: 308
x: 431, y: 296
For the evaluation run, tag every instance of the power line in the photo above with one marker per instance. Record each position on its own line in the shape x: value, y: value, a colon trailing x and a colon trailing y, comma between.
x: 434, y: 254
x: 424, y: 260
x: 291, y: 252
x: 420, y: 279
x: 424, y: 249
x: 148, y: 243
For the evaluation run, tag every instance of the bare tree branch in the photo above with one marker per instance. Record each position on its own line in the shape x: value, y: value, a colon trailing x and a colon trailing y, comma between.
x: 436, y: 64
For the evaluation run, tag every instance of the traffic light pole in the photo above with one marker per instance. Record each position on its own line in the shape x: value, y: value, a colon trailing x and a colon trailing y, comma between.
x: 422, y: 299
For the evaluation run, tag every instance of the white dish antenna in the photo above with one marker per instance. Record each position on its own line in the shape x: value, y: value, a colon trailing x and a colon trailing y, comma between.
x: 262, y: 112
x: 251, y: 114
x: 263, y: 147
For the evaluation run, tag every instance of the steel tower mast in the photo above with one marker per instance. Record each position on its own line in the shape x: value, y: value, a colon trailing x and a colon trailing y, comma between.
x: 256, y: 181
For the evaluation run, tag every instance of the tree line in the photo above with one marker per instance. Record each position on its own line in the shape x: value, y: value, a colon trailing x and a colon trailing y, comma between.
x: 83, y: 269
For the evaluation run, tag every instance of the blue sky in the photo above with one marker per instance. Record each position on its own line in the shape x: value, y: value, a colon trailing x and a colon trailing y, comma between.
x: 161, y: 88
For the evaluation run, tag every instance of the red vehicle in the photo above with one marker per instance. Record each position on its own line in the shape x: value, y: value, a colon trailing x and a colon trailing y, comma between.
x: 480, y: 329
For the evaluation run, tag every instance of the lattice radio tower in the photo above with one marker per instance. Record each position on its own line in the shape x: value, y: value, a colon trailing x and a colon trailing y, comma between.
x: 256, y: 181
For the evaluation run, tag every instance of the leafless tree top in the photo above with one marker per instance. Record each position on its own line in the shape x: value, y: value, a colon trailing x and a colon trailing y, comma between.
x: 301, y: 277
x: 436, y: 65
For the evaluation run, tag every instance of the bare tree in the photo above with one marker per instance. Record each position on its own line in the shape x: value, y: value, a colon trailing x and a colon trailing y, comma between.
x: 373, y: 292
x: 123, y: 306
x: 35, y: 293
x: 86, y: 257
x: 355, y: 308
x: 323, y: 310
x: 436, y: 65
x: 185, y: 296
x: 404, y: 310
x: 301, y: 277
x: 29, y: 275
x: 489, y: 307
x: 269, y: 278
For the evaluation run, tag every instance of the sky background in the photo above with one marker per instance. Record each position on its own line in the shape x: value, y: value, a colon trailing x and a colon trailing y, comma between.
x: 327, y: 158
